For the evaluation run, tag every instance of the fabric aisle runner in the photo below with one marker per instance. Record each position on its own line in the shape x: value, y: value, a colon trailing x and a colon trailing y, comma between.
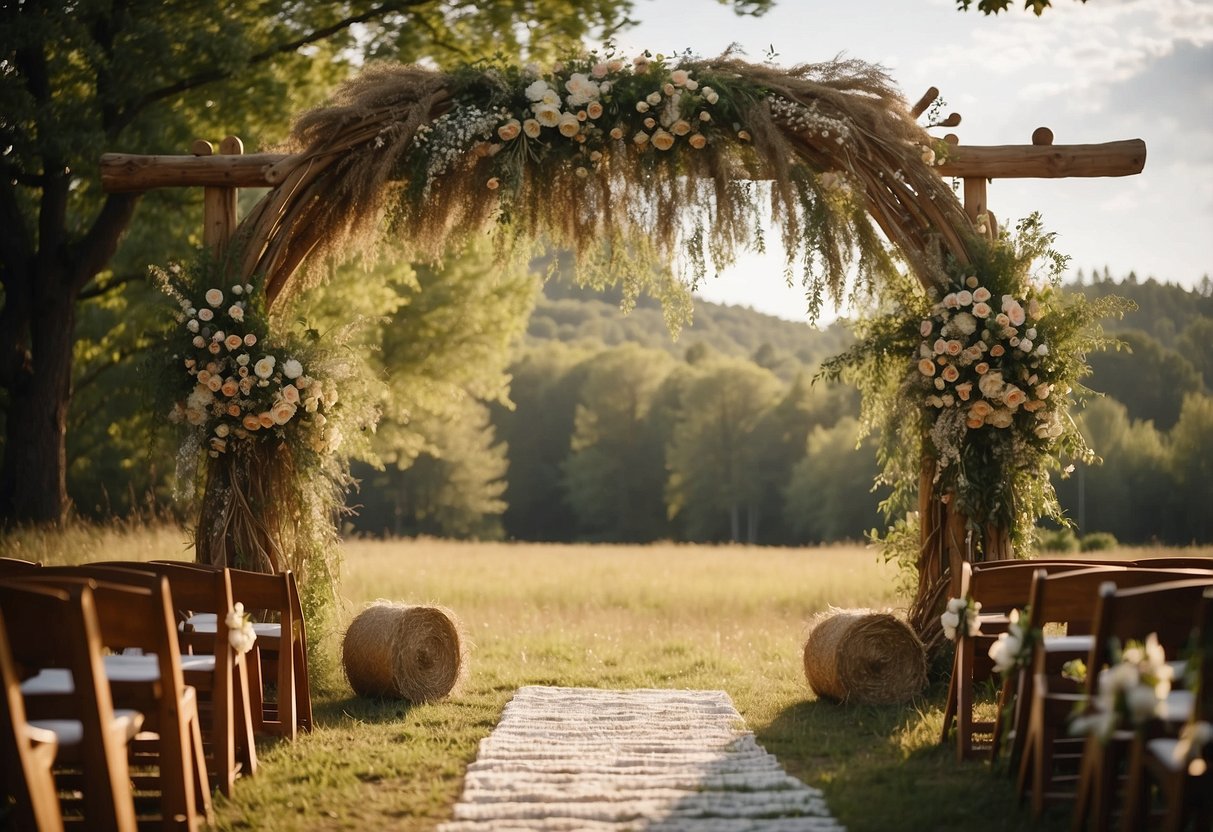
x: 565, y: 759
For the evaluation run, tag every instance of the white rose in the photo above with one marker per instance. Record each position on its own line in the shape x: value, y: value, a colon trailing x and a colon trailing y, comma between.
x: 282, y: 412
x: 214, y: 297
x: 950, y: 622
x: 531, y: 127
x: 535, y: 91
x: 205, y: 314
x: 654, y: 98
x: 236, y: 312
x: 191, y: 325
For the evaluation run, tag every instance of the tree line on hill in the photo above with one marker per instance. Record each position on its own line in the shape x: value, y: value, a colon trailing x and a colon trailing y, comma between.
x: 614, y: 431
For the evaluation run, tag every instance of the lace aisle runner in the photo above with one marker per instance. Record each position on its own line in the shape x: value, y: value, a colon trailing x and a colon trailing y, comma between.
x: 565, y: 759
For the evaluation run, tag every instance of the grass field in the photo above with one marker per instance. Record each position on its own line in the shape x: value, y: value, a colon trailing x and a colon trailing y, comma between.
x: 674, y: 616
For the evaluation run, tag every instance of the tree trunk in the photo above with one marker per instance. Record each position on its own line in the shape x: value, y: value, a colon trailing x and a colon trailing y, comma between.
x: 33, y: 478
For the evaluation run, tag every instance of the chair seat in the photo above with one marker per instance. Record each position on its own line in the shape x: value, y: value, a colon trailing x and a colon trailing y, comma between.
x: 70, y: 732
x: 1163, y: 749
x: 1068, y: 644
x: 118, y: 668
x: 205, y: 623
x: 198, y: 663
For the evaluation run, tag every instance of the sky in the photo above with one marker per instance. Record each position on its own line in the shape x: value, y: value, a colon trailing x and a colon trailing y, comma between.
x: 1101, y: 71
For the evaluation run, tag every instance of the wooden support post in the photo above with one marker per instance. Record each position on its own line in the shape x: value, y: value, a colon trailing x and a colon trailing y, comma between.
x: 218, y: 203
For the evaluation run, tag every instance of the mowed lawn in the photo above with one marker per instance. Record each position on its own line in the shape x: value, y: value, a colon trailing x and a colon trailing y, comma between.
x: 669, y: 616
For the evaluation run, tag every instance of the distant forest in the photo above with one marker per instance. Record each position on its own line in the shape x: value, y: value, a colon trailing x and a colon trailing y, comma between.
x: 614, y: 431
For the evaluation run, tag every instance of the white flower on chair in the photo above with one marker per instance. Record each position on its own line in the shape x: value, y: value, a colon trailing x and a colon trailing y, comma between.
x: 240, y: 632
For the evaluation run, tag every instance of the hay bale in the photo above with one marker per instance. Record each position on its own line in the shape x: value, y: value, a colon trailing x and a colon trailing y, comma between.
x: 864, y: 657
x: 403, y: 652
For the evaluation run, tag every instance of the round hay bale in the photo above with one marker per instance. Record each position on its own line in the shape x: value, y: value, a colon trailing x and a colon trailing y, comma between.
x: 403, y: 652
x: 864, y: 657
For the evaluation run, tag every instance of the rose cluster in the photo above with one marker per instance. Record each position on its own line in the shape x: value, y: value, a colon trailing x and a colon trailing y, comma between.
x: 240, y: 388
x: 586, y: 109
x: 987, y: 357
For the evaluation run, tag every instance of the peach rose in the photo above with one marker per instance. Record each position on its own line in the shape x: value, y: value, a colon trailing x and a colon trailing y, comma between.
x: 698, y: 141
x: 266, y: 419
x: 510, y: 130
x: 927, y: 367
x: 230, y: 387
x: 950, y: 373
x: 662, y: 140
x: 250, y: 422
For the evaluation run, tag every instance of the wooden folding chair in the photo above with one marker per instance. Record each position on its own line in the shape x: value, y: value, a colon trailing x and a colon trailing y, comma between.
x: 56, y: 629
x: 220, y: 675
x: 1169, y: 612
x: 1046, y: 698
x: 1000, y: 586
x: 27, y: 756
x: 138, y: 628
x: 273, y: 600
x: 1186, y: 791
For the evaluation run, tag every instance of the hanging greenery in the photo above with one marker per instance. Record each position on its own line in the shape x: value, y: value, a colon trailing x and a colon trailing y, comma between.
x: 633, y: 166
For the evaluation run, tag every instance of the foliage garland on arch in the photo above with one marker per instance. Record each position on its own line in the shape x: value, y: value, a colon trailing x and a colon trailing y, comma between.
x: 633, y: 166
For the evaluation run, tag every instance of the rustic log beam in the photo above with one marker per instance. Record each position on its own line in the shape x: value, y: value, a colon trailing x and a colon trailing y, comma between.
x: 1020, y: 161
x: 125, y: 172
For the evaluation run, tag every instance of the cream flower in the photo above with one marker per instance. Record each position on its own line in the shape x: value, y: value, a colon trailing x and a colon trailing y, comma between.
x: 192, y: 325
x: 662, y: 140
x: 265, y: 367
x: 927, y: 367
x: 250, y: 422
x: 510, y: 130
x: 532, y: 128
x: 1000, y: 418
x: 616, y: 133
x: 282, y: 412
x: 641, y: 138
x: 981, y: 408
x: 290, y: 393
x: 680, y: 77
x: 291, y: 368
x: 205, y: 314
x: 981, y: 294
x: 982, y: 309
x: 642, y: 106
x: 925, y: 328
x: 681, y: 127
x: 547, y: 115
x: 214, y: 297
x: 236, y: 312
x: 653, y: 98
x: 698, y: 141
x: 233, y: 342
x: 594, y: 110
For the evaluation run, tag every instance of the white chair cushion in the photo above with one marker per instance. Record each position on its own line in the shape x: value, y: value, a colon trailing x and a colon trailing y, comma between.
x: 198, y: 663
x: 70, y: 732
x: 206, y: 623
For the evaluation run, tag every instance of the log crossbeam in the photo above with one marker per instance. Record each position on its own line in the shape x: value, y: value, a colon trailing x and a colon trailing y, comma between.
x: 126, y: 172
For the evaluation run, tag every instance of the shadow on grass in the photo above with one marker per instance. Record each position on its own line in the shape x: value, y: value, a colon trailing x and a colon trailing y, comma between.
x: 882, y: 767
x: 340, y: 711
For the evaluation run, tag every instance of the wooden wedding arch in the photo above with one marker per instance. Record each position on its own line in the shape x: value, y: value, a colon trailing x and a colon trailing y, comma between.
x: 332, y: 181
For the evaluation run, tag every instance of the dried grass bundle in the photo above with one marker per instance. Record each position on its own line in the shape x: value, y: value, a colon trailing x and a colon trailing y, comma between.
x: 865, y: 658
x: 829, y: 147
x: 404, y: 652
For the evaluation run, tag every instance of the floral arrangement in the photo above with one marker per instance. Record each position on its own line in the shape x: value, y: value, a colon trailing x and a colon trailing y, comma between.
x: 986, y: 367
x: 1013, y: 648
x: 961, y: 611
x: 240, y: 632
x: 649, y: 170
x: 1129, y: 691
x: 235, y: 384
x: 258, y: 403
